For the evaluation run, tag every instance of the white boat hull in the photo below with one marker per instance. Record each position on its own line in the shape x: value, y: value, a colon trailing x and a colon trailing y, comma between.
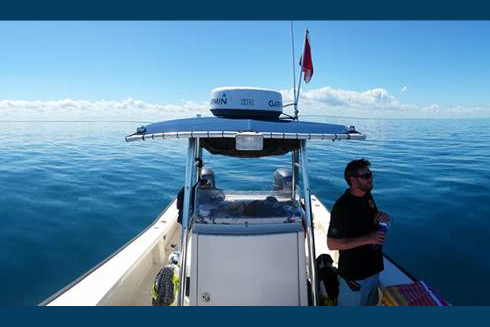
x: 126, y: 278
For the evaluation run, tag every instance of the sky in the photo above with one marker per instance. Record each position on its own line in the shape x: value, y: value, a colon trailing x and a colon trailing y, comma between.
x: 145, y: 70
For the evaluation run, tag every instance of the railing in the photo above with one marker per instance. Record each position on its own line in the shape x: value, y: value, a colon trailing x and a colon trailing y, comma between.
x: 231, y: 134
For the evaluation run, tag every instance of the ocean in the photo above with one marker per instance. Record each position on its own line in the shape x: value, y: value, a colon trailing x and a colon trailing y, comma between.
x: 72, y: 193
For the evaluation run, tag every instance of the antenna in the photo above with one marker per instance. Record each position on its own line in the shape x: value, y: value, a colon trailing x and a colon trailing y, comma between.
x: 294, y: 74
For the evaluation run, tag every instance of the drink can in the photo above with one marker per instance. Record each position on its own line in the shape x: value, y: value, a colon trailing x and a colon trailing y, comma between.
x: 383, y: 227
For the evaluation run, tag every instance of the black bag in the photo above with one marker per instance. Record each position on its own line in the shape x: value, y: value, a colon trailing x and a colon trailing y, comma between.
x: 328, y: 280
x: 180, y: 203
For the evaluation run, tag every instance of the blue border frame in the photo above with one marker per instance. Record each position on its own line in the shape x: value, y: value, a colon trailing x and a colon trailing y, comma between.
x: 274, y: 316
x: 253, y: 10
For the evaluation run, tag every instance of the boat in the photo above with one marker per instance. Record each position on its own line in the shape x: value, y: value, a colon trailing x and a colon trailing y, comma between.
x: 229, y: 247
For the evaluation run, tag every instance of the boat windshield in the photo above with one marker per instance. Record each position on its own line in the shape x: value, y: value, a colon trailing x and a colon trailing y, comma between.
x: 225, y: 206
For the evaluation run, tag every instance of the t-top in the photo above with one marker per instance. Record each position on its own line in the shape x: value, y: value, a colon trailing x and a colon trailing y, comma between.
x: 353, y: 216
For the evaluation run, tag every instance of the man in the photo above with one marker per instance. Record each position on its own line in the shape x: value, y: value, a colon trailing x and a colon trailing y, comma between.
x: 354, y: 232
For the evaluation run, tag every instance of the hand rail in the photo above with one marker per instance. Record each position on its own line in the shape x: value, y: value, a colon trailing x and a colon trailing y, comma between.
x: 191, y: 151
x: 309, y: 222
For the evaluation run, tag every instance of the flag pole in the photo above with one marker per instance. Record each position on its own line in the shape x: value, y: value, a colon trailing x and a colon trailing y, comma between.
x: 296, y: 98
x: 294, y: 71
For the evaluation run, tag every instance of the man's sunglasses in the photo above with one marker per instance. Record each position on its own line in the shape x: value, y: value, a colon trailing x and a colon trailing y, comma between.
x: 365, y: 176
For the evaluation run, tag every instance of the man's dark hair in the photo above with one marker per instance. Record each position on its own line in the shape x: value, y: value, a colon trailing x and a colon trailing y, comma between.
x: 352, y: 168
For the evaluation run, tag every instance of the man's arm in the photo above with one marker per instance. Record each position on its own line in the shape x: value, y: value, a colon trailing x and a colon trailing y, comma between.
x: 347, y: 243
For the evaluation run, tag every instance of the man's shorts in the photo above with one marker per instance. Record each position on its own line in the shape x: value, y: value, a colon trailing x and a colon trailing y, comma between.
x: 367, y: 295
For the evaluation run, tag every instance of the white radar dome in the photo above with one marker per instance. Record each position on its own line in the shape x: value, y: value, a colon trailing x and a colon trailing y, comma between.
x: 246, y: 102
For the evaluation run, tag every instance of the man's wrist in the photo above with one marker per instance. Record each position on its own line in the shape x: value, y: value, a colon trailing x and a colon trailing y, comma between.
x: 363, y: 240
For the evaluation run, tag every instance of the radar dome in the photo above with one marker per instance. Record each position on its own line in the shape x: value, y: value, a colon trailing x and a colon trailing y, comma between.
x: 246, y: 102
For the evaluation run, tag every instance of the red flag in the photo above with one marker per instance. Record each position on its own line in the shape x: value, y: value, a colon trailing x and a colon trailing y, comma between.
x: 307, y: 63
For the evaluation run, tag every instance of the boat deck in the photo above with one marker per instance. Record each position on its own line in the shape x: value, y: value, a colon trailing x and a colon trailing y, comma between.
x: 126, y: 277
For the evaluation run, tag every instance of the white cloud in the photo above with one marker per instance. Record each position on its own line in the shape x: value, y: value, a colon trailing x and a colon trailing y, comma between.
x: 375, y: 103
x: 338, y: 102
x: 69, y: 109
x: 378, y: 98
x: 326, y: 101
x: 403, y: 89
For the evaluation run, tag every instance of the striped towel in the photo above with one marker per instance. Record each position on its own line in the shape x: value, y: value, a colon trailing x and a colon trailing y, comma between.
x: 415, y: 294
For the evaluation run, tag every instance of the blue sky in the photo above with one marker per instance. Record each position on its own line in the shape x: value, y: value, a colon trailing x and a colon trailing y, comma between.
x: 362, y: 68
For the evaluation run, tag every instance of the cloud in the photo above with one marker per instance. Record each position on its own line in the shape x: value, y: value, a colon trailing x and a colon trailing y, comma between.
x: 374, y: 103
x: 378, y: 98
x: 403, y: 89
x: 326, y: 101
x: 329, y: 101
x: 69, y: 109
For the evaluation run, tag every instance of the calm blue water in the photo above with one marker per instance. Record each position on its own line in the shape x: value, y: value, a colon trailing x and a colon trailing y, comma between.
x: 72, y: 193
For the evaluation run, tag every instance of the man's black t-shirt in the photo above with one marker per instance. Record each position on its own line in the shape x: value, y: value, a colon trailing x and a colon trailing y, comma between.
x: 353, y: 216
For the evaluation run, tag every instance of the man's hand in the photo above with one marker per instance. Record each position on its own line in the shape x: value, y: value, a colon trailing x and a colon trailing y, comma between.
x: 375, y: 237
x: 381, y: 217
